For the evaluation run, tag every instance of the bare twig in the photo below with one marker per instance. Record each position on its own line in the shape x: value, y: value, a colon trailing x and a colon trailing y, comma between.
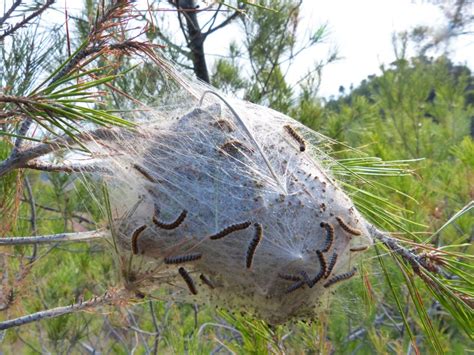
x: 21, y: 159
x: 31, y: 201
x: 416, y: 261
x: 59, y: 311
x: 65, y: 168
x: 155, y: 325
x: 51, y: 209
x: 9, y: 12
x: 27, y: 19
x: 224, y: 23
x: 55, y: 238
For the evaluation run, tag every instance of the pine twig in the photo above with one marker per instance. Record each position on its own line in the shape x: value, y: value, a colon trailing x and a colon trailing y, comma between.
x: 107, y: 298
x: 56, y: 238
x: 27, y: 19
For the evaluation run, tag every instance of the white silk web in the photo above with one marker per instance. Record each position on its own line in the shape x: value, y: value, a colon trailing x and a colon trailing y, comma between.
x: 232, y: 203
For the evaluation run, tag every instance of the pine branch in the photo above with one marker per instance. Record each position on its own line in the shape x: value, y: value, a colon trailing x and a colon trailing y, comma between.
x: 21, y: 159
x: 27, y: 19
x: 56, y: 238
x: 107, y: 298
x: 9, y: 12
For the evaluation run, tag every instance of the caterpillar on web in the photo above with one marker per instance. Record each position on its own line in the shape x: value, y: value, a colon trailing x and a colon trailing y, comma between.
x: 188, y: 279
x: 329, y: 236
x: 289, y: 277
x: 359, y: 248
x: 295, y: 286
x: 144, y: 172
x: 230, y: 229
x: 332, y: 263
x: 234, y: 146
x: 253, y: 244
x: 179, y: 259
x: 322, y: 271
x: 172, y: 225
x: 136, y: 233
x: 347, y: 227
x: 340, y: 277
x: 205, y: 280
x: 297, y: 137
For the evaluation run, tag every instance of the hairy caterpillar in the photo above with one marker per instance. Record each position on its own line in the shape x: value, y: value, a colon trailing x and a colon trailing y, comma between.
x: 144, y: 172
x: 230, y: 229
x: 206, y: 281
x: 188, y: 279
x: 136, y: 233
x: 234, y: 146
x: 289, y: 277
x: 224, y: 125
x: 347, y: 227
x: 179, y: 259
x: 295, y: 286
x: 296, y: 136
x: 340, y: 277
x: 172, y: 225
x: 360, y: 248
x: 331, y: 265
x: 253, y: 244
x: 321, y: 272
x: 329, y: 236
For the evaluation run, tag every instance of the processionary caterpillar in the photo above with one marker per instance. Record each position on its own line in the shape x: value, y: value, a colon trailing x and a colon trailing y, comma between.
x: 188, y: 279
x: 340, y: 277
x: 230, y: 229
x: 347, y: 227
x: 172, y: 225
x: 144, y: 172
x: 289, y: 277
x: 296, y: 136
x: 234, y: 146
x: 360, y: 248
x: 136, y: 233
x: 321, y: 272
x: 331, y: 265
x: 253, y: 244
x: 295, y: 286
x: 179, y: 259
x: 329, y: 236
x: 206, y: 281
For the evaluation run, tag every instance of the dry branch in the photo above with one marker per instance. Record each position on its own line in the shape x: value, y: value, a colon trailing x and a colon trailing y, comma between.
x: 56, y: 238
x: 107, y: 298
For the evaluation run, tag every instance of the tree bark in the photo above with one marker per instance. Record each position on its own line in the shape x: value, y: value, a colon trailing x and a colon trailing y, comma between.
x: 195, y: 38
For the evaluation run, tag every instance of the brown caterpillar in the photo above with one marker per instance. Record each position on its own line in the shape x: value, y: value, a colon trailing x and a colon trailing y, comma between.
x: 144, y: 172
x: 289, y: 277
x: 331, y: 265
x: 347, y: 227
x: 136, y: 233
x: 340, y: 277
x: 230, y: 229
x: 321, y: 272
x: 172, y: 225
x: 188, y: 279
x: 295, y: 286
x: 329, y: 235
x: 296, y: 136
x: 234, y: 146
x: 206, y: 281
x: 360, y: 248
x: 224, y: 125
x: 179, y: 259
x: 254, y: 243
